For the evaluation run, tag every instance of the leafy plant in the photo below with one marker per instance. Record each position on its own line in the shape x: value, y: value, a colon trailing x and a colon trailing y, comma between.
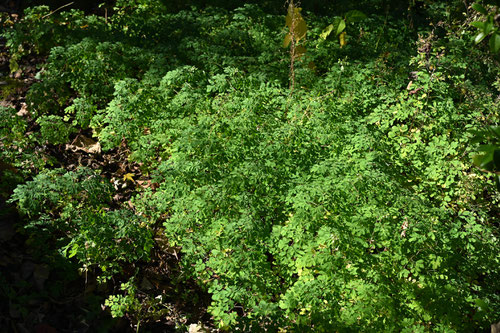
x: 339, y: 25
x: 489, y: 27
x: 348, y: 203
x: 119, y: 305
x: 488, y: 158
x: 54, y: 129
x: 73, y: 207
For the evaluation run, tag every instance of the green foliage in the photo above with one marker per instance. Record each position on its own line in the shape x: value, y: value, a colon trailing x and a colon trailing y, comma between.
x: 11, y: 129
x: 339, y: 25
x: 90, y: 70
x: 40, y: 30
x: 351, y: 203
x: 489, y: 27
x: 54, y: 129
x: 488, y: 158
x: 121, y: 304
x: 73, y: 206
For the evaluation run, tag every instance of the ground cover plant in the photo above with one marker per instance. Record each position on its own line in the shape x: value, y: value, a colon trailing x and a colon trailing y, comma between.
x: 309, y: 171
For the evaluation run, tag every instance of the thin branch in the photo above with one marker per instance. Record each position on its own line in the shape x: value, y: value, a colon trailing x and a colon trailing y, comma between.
x: 58, y: 9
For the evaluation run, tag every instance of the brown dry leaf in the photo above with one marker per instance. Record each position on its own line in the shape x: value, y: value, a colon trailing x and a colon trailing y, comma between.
x: 85, y: 144
x: 23, y: 111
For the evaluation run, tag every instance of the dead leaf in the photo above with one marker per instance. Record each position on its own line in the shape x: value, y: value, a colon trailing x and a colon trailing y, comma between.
x: 408, y: 87
x: 23, y: 111
x: 85, y: 144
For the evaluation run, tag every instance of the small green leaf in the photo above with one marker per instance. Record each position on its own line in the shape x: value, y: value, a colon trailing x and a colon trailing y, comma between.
x: 477, y: 7
x: 340, y: 27
x: 481, y: 304
x: 73, y: 251
x: 354, y: 16
x: 495, y: 43
x: 478, y: 24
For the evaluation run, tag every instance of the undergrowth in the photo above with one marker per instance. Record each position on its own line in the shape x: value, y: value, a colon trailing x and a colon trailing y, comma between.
x: 349, y: 204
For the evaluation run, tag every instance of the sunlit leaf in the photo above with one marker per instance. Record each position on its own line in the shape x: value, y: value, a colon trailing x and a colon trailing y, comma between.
x: 300, y: 29
x: 13, y: 65
x: 295, y: 23
x: 289, y: 17
x: 340, y: 26
x: 480, y: 36
x: 326, y: 32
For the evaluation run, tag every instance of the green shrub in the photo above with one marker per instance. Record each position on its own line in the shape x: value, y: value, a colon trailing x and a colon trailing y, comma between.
x: 54, y: 129
x: 350, y: 203
x: 74, y: 207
